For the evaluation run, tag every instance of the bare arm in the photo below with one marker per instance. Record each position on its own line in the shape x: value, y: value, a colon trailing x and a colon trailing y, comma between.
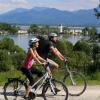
x: 39, y: 57
x: 60, y: 54
x: 57, y: 53
x: 34, y: 56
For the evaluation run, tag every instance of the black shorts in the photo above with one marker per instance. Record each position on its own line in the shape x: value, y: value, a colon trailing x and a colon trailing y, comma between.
x: 28, y: 73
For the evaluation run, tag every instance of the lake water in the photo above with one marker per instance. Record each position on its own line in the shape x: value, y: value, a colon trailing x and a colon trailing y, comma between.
x: 22, y: 40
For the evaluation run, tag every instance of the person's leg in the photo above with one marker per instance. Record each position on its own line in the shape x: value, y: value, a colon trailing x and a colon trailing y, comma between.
x: 28, y: 74
x: 38, y: 73
x: 53, y: 65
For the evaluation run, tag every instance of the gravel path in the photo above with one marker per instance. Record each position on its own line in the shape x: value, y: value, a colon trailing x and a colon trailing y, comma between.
x: 92, y: 93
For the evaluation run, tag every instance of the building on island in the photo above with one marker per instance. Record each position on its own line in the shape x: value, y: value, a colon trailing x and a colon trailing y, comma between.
x: 23, y: 29
x: 75, y: 30
x: 60, y: 28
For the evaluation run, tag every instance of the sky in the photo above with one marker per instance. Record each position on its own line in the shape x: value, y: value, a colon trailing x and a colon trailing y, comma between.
x: 69, y: 5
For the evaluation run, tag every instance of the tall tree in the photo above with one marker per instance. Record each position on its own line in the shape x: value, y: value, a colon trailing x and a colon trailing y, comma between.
x: 34, y: 29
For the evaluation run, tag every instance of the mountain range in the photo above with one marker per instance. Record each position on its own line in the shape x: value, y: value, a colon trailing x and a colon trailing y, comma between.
x: 50, y: 16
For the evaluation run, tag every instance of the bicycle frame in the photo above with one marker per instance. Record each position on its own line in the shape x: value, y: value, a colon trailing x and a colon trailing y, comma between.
x: 69, y: 72
x: 43, y: 79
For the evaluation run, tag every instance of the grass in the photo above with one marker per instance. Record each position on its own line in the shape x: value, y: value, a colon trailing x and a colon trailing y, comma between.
x: 10, y: 74
x: 91, y: 80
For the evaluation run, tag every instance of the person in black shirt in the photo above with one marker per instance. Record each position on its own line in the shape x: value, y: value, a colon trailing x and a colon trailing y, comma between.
x: 51, y: 48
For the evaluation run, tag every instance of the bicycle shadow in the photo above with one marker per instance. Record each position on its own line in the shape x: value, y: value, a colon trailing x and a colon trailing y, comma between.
x: 1, y: 93
x: 9, y: 95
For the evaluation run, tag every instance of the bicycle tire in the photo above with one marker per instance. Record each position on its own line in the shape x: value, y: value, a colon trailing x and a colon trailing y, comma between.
x: 80, y: 83
x: 48, y: 94
x: 10, y: 87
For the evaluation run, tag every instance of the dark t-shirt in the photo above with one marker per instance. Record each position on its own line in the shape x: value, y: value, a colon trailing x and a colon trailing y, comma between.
x: 47, y: 50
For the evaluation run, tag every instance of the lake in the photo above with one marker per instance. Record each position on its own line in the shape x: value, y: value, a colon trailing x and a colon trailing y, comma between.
x: 22, y: 40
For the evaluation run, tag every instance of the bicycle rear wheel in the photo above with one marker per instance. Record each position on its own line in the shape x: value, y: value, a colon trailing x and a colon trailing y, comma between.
x: 14, y: 90
x: 61, y: 92
x: 79, y: 85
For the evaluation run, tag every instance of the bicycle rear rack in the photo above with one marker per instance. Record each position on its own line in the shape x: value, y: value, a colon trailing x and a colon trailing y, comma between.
x: 16, y: 78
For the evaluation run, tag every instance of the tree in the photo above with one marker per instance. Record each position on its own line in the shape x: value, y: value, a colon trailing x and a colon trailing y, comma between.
x: 79, y: 60
x: 85, y: 31
x: 83, y: 46
x: 5, y: 61
x: 34, y: 29
x: 11, y: 56
x: 65, y: 47
x: 8, y: 29
x: 44, y: 29
x: 92, y: 31
x: 13, y: 30
x: 7, y: 44
x: 97, y: 11
x: 96, y: 57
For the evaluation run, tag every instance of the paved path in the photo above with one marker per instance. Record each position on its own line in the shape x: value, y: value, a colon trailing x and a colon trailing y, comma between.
x: 92, y: 93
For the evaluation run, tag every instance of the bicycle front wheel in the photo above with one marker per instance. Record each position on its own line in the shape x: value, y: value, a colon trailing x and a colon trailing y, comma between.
x: 56, y: 91
x: 76, y: 83
x: 14, y: 90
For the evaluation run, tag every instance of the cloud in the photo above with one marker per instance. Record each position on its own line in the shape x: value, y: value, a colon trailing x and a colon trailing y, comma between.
x: 71, y: 5
x: 12, y: 4
x: 23, y: 2
x: 77, y: 4
x: 66, y: 4
x: 4, y: 7
x: 20, y: 3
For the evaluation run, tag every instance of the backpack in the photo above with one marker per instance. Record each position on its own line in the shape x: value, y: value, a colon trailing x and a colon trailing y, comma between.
x: 43, y: 41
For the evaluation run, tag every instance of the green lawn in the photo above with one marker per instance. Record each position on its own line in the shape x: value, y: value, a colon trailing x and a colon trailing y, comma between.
x: 95, y: 80
x: 10, y: 74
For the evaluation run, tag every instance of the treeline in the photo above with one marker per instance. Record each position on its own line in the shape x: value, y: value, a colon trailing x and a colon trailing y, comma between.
x: 8, y: 29
x: 83, y: 56
x: 11, y: 55
x: 43, y: 29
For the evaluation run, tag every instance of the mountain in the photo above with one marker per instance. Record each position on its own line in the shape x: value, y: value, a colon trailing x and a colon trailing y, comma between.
x: 51, y: 16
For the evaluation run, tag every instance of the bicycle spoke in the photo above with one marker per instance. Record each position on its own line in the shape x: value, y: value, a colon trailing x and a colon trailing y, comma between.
x: 59, y: 89
x: 11, y: 92
x: 77, y: 85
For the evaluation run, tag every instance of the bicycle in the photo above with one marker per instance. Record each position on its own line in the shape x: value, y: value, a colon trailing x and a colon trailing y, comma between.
x: 15, y: 87
x: 76, y: 82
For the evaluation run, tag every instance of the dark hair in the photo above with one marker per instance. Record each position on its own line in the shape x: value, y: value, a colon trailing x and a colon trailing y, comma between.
x: 31, y: 45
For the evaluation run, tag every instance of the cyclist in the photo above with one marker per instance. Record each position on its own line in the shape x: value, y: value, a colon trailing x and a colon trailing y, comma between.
x: 50, y: 47
x: 31, y: 57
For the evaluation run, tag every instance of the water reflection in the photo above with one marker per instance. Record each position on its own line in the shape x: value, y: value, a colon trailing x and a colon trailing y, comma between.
x: 22, y: 40
x: 73, y: 39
